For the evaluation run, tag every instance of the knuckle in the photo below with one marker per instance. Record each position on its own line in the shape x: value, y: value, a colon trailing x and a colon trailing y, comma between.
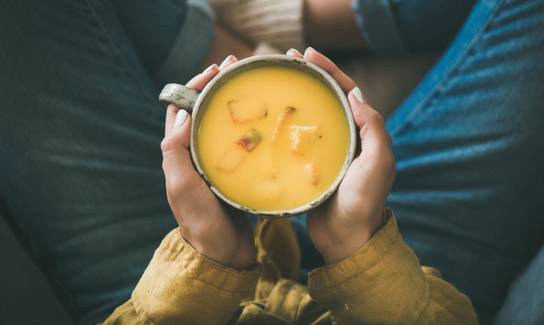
x: 390, y: 168
x: 383, y: 161
x: 388, y: 139
x: 389, y: 161
x: 164, y: 165
x: 166, y: 144
x: 171, y: 201
x: 388, y: 156
x: 376, y: 118
x: 175, y: 187
x: 173, y: 141
x: 181, y: 184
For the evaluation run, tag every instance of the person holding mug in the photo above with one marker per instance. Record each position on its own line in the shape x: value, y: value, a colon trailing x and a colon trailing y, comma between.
x: 205, y: 271
x: 80, y: 131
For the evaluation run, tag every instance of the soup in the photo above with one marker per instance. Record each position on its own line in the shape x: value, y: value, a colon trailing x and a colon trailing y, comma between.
x: 272, y: 138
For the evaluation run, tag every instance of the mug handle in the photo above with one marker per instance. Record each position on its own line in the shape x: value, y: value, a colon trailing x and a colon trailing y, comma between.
x: 181, y: 96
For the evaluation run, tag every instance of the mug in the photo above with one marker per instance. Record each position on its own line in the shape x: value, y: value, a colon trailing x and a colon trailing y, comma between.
x: 192, y: 101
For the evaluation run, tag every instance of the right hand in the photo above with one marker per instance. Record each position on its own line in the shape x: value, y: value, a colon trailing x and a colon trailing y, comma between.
x: 349, y: 218
x: 223, y: 236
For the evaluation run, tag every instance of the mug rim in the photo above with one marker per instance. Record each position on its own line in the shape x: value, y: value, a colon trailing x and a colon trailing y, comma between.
x: 285, y: 60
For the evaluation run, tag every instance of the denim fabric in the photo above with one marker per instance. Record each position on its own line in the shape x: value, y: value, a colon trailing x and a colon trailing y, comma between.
x: 191, y: 44
x: 80, y: 128
x: 469, y: 160
x: 468, y: 194
x: 396, y: 26
x: 525, y: 300
x: 151, y: 30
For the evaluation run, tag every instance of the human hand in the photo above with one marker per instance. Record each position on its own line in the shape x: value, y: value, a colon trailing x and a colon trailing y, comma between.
x: 347, y: 221
x: 221, y: 235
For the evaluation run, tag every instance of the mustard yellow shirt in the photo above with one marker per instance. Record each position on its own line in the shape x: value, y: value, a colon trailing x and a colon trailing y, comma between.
x: 382, y: 283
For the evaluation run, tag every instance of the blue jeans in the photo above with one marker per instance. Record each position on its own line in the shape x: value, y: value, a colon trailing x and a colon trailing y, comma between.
x: 468, y: 144
x: 80, y: 128
x: 80, y: 132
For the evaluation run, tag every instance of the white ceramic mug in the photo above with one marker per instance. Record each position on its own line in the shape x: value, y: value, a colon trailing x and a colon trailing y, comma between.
x: 195, y: 103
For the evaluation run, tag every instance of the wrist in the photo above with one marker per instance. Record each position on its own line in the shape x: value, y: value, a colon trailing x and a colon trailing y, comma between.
x: 237, y: 254
x: 349, y: 240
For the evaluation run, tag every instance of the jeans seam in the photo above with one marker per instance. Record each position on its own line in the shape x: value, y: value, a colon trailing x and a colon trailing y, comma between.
x: 441, y: 85
x: 70, y: 304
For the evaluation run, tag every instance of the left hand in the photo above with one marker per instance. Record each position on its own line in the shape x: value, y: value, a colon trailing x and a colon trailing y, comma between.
x: 347, y: 221
x: 214, y: 230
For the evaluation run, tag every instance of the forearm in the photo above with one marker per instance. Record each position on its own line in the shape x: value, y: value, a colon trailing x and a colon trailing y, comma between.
x: 181, y: 286
x: 383, y: 283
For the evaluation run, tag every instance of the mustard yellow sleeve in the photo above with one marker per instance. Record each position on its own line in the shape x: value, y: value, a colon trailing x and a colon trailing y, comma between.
x: 180, y: 286
x: 383, y: 283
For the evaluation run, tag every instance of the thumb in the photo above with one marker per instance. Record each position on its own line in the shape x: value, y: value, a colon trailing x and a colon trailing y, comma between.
x: 371, y: 124
x: 376, y: 160
x: 178, y: 168
x: 178, y: 129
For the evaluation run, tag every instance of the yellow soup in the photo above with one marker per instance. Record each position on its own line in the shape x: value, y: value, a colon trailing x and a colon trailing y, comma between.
x: 273, y: 138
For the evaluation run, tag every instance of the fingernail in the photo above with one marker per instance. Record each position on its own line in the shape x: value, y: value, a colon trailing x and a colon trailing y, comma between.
x: 358, y: 94
x: 228, y: 59
x: 181, y: 116
x: 309, y: 48
x: 210, y: 68
x: 293, y: 52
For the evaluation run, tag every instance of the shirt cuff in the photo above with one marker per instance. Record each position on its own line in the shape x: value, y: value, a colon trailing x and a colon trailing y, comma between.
x: 208, y: 271
x: 329, y: 276
x: 181, y: 286
x: 191, y: 46
x: 177, y: 261
x: 378, y: 25
x: 384, y: 270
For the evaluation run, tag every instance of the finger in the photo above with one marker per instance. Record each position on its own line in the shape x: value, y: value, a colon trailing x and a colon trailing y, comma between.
x: 201, y: 80
x: 326, y: 64
x: 370, y: 123
x: 177, y: 165
x: 198, y: 82
x: 228, y: 61
x: 376, y: 162
x: 295, y: 53
x: 179, y: 129
x: 171, y: 113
